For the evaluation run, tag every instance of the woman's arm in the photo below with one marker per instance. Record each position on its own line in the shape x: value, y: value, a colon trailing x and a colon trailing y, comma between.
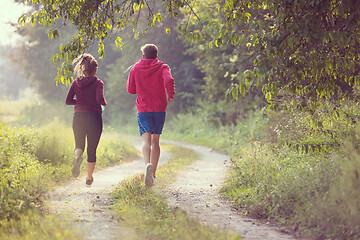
x: 70, y: 100
x: 100, y: 94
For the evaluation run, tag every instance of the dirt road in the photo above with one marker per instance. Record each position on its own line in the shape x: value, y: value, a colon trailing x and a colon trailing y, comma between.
x: 195, y: 190
x: 88, y: 208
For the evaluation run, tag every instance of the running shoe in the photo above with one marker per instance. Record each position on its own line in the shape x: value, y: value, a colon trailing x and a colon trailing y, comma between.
x: 76, y: 168
x: 149, y: 179
x: 89, y: 181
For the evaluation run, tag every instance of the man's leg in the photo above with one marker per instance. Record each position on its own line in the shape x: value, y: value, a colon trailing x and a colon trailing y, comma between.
x: 155, y: 151
x: 146, y: 149
x: 146, y: 146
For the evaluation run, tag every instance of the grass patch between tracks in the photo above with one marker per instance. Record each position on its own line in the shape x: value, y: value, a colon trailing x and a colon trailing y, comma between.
x: 147, y: 209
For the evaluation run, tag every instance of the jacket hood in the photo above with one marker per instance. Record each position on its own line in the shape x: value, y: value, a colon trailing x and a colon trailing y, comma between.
x: 149, y: 66
x: 83, y: 82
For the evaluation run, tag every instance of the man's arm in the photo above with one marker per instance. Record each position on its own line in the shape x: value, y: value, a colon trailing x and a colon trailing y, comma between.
x: 169, y: 82
x: 131, y: 86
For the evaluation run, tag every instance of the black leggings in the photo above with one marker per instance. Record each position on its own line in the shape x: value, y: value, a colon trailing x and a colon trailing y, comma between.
x: 87, y: 124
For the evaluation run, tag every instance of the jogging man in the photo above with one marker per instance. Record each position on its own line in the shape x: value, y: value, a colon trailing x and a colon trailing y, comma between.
x: 151, y: 80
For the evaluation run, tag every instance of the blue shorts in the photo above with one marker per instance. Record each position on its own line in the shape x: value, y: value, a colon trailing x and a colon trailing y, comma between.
x: 151, y: 122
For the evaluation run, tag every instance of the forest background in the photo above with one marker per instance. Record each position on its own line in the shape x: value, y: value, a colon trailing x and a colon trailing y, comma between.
x: 272, y: 83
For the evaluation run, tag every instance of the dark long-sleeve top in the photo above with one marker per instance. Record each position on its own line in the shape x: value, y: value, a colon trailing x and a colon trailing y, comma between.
x: 87, y: 94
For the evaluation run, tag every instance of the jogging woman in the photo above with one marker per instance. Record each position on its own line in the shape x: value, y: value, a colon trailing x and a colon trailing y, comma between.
x: 87, y: 94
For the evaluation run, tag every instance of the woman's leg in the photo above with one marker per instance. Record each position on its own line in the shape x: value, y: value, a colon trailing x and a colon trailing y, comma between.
x: 91, y: 168
x: 78, y: 153
x: 93, y: 138
x: 79, y: 135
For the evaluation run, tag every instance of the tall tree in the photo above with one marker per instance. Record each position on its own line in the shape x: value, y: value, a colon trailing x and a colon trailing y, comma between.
x: 188, y: 78
x: 305, y: 50
x: 34, y: 60
x: 220, y: 60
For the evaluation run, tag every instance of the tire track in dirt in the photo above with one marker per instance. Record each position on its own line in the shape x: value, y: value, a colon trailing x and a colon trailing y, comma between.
x: 196, y: 191
x: 87, y: 209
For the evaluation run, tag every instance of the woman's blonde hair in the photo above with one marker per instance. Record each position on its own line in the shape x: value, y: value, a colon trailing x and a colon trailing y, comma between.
x: 85, y: 65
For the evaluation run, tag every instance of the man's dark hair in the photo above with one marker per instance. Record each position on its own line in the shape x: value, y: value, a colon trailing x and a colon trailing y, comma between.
x: 150, y: 51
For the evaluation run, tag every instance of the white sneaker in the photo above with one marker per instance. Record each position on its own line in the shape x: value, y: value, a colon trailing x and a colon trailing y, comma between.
x: 149, y: 179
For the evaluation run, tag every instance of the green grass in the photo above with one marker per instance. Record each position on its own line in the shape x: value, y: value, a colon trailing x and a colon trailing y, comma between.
x: 296, y: 186
x: 34, y: 225
x: 114, y: 148
x: 197, y: 130
x: 10, y: 110
x: 147, y: 209
x: 31, y: 161
x: 316, y: 191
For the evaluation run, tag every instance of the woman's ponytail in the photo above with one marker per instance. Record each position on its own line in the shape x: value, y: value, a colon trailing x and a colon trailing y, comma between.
x: 85, y: 65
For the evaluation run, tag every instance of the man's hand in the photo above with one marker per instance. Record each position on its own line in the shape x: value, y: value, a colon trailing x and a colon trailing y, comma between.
x: 170, y: 100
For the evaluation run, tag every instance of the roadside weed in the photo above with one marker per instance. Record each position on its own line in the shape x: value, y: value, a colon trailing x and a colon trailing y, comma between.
x: 299, y: 170
x: 114, y: 149
x: 34, y: 225
x: 33, y: 160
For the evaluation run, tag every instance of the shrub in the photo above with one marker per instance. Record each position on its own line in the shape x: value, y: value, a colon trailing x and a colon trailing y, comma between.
x: 24, y: 176
x: 299, y: 168
x: 336, y: 213
x: 315, y: 189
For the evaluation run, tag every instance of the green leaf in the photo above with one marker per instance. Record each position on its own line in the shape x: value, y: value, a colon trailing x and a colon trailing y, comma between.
x: 242, y: 89
x: 118, y: 42
x: 235, y: 93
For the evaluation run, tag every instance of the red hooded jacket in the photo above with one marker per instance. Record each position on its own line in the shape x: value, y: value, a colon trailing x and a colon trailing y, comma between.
x: 151, y: 79
x: 89, y: 92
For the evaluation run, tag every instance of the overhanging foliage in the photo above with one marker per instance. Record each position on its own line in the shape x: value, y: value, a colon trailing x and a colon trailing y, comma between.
x: 95, y: 20
x: 304, y: 49
x: 298, y: 50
